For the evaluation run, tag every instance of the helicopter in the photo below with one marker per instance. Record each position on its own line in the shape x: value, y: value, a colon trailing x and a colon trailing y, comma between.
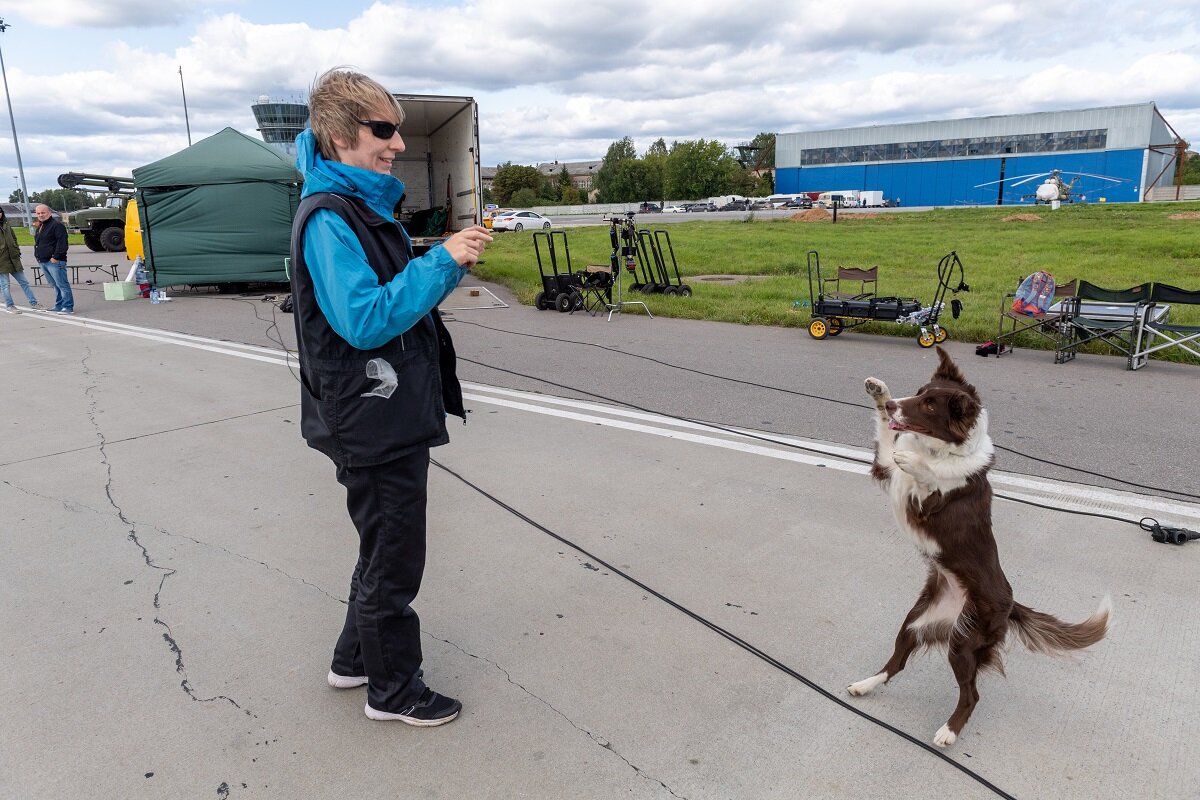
x: 1054, y: 189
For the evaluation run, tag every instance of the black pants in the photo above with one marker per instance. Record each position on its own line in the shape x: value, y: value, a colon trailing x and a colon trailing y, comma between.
x: 382, y: 635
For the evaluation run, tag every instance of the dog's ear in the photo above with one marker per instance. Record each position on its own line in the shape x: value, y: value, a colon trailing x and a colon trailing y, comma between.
x: 947, y: 370
x: 964, y: 411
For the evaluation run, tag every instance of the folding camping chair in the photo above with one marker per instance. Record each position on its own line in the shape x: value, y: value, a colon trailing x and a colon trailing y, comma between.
x: 595, y: 284
x: 1156, y: 333
x: 850, y: 275
x: 1016, y: 323
x: 1096, y: 314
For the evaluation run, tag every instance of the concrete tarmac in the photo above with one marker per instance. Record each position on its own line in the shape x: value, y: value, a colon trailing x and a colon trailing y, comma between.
x: 655, y: 562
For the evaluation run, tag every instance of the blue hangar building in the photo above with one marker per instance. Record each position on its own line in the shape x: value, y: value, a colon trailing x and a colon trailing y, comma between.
x: 1116, y: 153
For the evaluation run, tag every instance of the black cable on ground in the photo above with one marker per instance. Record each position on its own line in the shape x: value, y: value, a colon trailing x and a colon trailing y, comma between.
x: 727, y: 635
x: 811, y: 397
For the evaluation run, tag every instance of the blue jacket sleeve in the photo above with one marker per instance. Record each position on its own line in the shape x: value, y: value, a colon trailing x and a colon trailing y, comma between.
x: 362, y: 311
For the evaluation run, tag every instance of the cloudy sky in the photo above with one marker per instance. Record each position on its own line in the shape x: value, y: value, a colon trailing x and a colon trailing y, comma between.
x: 95, y: 84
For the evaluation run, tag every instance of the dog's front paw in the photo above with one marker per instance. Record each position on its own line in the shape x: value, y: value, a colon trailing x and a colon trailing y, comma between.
x: 945, y: 737
x: 913, y: 465
x: 879, y: 392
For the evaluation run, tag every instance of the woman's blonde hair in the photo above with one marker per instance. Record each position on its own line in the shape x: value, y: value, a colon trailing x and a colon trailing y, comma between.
x: 338, y: 100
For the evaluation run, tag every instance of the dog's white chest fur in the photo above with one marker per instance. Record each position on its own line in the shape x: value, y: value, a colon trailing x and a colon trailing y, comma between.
x: 924, y: 466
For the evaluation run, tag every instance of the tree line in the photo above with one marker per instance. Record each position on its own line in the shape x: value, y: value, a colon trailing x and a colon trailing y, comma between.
x: 687, y: 170
x: 59, y: 199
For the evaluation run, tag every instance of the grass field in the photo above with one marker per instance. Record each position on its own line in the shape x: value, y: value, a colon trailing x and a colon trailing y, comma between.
x: 1114, y: 246
x: 25, y: 238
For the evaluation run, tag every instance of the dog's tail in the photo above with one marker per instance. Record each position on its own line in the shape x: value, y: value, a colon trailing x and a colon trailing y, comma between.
x: 1043, y: 633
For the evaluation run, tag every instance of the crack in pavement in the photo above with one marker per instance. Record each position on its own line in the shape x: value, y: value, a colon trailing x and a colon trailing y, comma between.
x: 132, y: 536
x: 597, y: 739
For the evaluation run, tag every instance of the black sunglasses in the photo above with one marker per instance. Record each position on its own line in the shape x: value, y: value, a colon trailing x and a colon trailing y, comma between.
x: 380, y: 128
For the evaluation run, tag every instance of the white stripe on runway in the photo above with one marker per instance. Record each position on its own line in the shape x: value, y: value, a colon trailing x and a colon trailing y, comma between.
x: 1071, y: 496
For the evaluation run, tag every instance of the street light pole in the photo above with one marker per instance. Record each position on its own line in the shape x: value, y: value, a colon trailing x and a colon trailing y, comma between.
x: 13, y: 120
x: 185, y: 113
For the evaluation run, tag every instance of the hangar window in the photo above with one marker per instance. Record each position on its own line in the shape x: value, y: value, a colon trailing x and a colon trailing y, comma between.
x: 1055, y: 142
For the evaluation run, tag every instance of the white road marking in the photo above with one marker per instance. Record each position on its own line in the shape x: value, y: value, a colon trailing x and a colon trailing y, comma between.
x: 1066, y: 495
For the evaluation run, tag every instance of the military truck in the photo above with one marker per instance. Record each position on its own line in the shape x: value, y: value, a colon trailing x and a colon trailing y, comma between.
x: 103, y: 227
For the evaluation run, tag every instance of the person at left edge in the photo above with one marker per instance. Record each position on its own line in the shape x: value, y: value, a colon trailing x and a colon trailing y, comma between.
x: 50, y: 250
x: 10, y: 264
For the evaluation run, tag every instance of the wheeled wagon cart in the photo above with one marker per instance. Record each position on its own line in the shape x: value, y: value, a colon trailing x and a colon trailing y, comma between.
x: 834, y: 312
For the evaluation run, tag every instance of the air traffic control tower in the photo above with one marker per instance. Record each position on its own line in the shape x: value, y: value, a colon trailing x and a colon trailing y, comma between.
x: 280, y: 123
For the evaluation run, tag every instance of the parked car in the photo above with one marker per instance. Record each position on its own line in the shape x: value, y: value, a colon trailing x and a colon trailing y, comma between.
x: 675, y: 209
x: 799, y: 202
x: 649, y: 208
x: 519, y: 221
x: 760, y: 205
x: 491, y: 214
x: 701, y: 207
x: 736, y: 205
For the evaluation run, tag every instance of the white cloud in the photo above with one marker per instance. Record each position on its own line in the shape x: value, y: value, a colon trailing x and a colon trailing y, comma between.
x: 108, y: 13
x: 563, y: 80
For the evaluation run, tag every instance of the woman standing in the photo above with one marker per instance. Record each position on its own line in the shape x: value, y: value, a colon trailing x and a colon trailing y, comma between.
x: 10, y: 264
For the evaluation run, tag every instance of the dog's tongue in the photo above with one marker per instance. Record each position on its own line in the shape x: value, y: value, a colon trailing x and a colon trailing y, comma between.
x: 895, y: 426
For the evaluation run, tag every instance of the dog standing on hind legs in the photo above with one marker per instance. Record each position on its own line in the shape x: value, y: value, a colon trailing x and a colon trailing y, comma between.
x: 932, y: 455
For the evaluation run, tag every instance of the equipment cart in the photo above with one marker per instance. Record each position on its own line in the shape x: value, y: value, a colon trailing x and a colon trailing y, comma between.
x: 562, y: 289
x: 833, y: 314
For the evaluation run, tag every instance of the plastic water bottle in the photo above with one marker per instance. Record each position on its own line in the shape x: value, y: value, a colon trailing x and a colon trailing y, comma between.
x: 154, y: 295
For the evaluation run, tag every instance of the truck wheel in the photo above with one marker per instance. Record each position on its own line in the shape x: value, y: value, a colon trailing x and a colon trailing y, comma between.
x: 113, y: 239
x: 92, y: 241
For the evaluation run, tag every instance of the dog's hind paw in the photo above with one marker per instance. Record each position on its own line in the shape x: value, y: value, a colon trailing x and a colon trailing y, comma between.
x: 945, y: 737
x: 867, y: 685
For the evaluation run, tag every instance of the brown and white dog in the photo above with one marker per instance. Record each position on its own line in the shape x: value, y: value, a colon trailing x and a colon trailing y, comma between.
x: 932, y: 454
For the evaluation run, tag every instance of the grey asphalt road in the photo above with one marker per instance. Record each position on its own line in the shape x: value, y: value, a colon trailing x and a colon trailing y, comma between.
x: 175, y: 562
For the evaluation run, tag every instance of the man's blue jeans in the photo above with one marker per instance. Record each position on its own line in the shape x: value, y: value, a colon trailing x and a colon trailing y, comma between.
x: 22, y: 282
x: 56, y: 276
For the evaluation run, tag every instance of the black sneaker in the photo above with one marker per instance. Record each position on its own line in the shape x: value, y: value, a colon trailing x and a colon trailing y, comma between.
x: 431, y: 709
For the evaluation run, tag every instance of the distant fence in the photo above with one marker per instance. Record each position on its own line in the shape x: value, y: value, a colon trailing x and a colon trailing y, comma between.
x: 597, y: 208
x: 1161, y: 193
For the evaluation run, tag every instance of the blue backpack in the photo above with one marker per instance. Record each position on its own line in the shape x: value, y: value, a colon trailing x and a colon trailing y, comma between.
x: 1034, y: 295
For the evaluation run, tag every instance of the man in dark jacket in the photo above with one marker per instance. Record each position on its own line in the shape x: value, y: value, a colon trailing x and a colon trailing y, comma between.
x: 50, y: 250
x: 377, y: 376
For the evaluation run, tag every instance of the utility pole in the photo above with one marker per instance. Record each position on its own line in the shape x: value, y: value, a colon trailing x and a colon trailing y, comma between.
x: 20, y: 167
x: 185, y: 111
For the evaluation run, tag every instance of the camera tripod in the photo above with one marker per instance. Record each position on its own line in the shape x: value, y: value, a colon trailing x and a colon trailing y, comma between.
x: 623, y: 236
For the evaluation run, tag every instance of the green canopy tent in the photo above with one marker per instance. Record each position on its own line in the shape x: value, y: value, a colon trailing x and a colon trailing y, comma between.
x: 218, y: 212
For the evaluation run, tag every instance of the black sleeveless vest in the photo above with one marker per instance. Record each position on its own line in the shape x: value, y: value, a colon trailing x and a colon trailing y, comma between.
x: 335, y: 417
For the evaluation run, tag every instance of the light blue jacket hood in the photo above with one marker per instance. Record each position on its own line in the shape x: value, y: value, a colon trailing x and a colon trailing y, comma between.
x: 381, y: 192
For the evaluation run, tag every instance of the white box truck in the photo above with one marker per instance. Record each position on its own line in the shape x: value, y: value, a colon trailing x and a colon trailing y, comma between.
x: 439, y: 167
x: 870, y: 198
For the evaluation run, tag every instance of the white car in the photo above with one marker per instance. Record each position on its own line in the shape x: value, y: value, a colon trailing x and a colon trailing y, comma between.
x: 519, y: 221
x: 674, y: 210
